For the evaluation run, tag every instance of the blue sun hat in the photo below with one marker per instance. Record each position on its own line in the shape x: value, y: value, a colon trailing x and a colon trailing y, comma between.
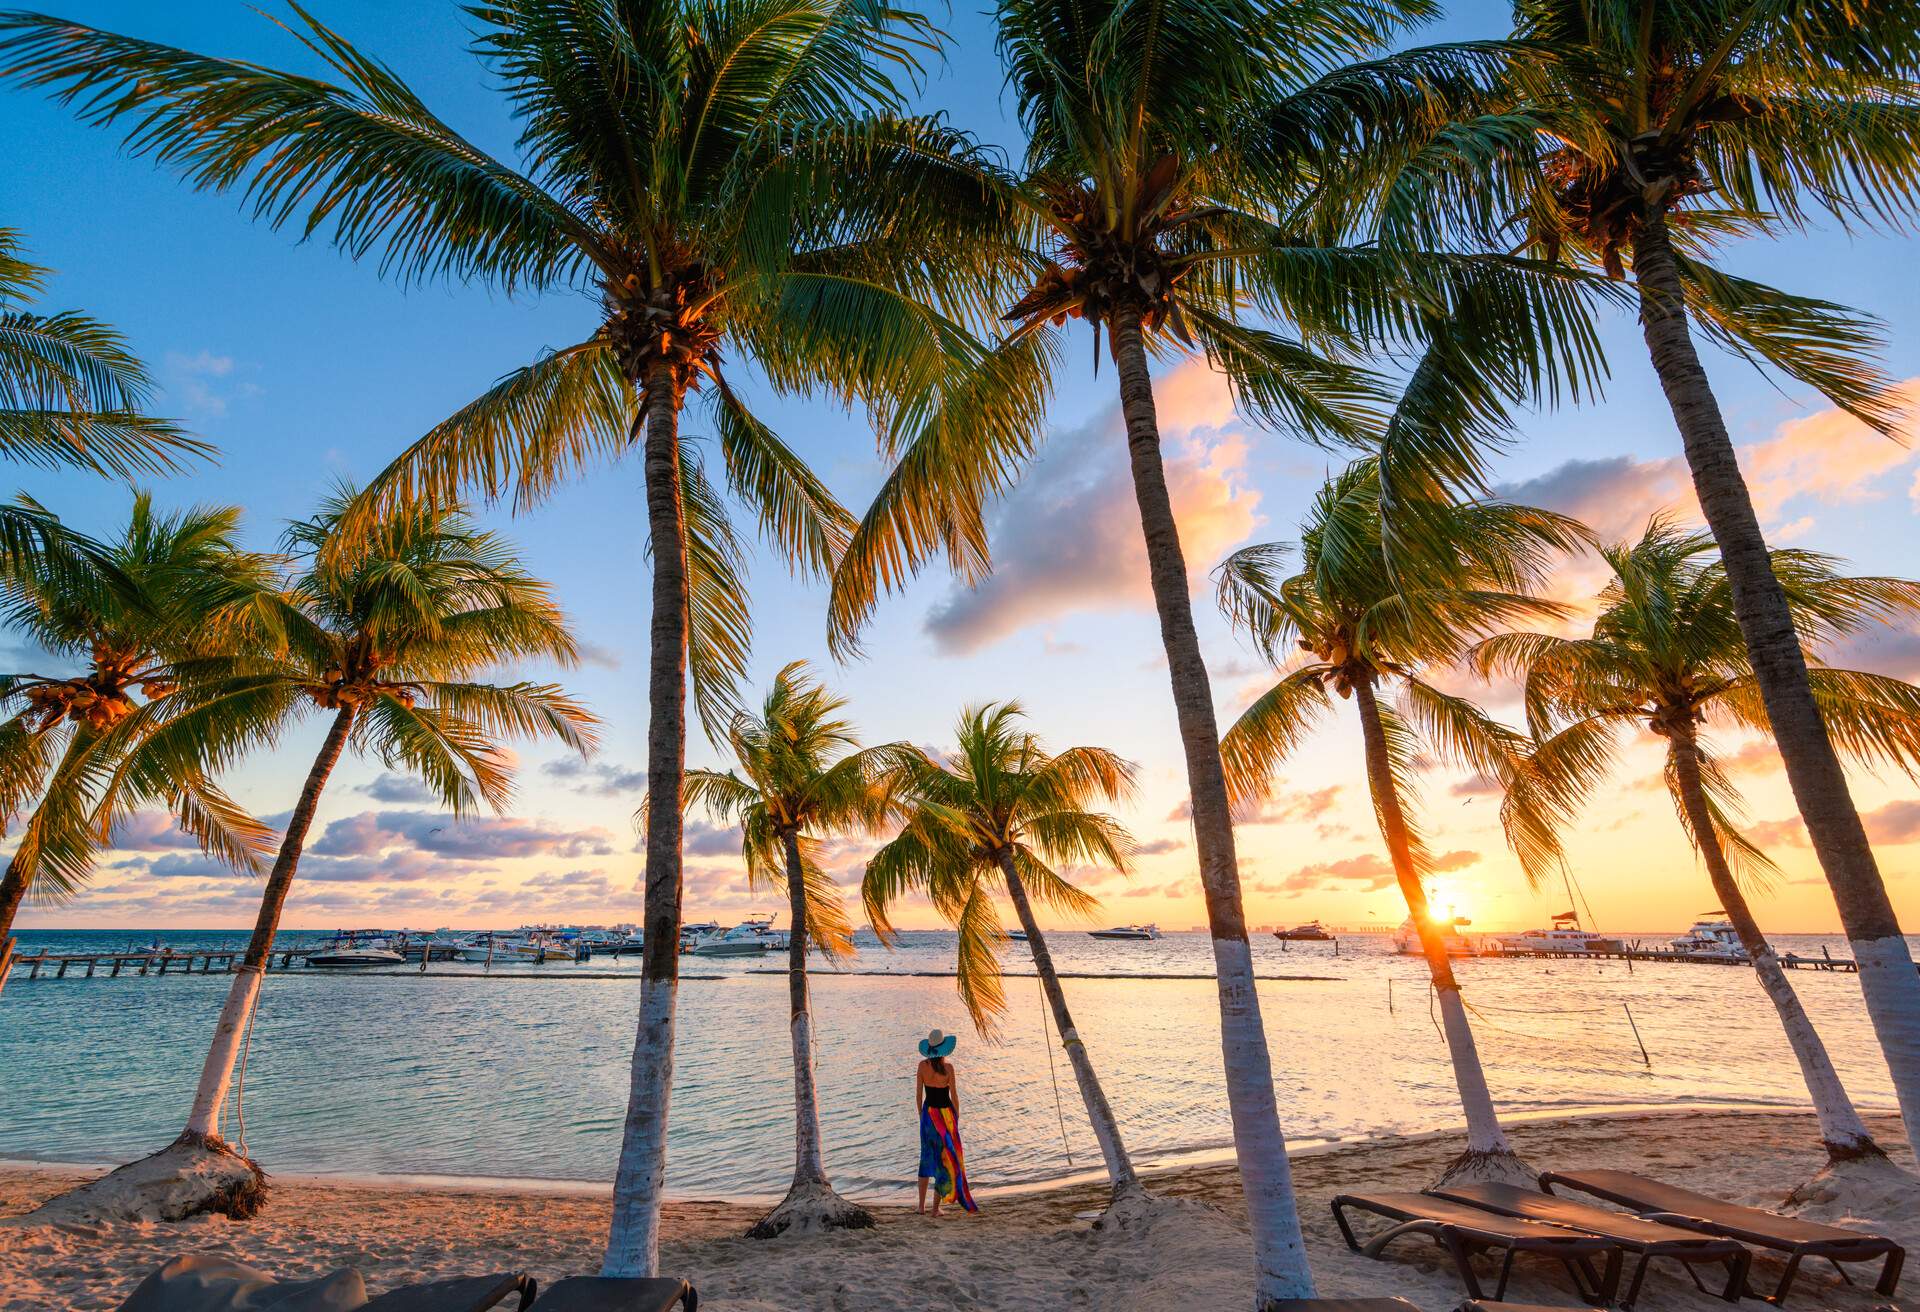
x: 938, y: 1044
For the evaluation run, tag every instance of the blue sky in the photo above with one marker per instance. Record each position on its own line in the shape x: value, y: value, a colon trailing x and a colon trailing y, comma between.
x: 306, y: 368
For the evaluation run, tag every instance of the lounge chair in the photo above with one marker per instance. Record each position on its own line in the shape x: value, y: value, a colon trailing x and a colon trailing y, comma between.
x: 611, y: 1294
x: 1795, y: 1239
x: 1464, y: 1231
x: 459, y: 1294
x: 1344, y: 1305
x: 1635, y: 1235
x: 1488, y: 1305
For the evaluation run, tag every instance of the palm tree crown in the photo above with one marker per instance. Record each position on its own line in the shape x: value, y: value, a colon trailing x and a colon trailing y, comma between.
x: 1363, y: 614
x: 1001, y: 800
x: 805, y: 778
x: 1666, y: 654
x: 72, y: 392
x: 136, y: 624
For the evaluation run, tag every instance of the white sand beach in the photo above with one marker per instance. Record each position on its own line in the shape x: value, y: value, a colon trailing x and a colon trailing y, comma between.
x: 1021, y: 1252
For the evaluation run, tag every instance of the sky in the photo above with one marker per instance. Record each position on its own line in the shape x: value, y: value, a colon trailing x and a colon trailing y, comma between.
x: 308, y: 370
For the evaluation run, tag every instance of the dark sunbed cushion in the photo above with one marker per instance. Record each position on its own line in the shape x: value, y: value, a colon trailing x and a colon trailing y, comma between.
x: 1631, y: 1231
x: 1742, y: 1222
x: 1472, y: 1220
x: 1344, y: 1305
x: 200, y: 1282
x: 1488, y: 1305
x: 460, y: 1294
x: 608, y: 1294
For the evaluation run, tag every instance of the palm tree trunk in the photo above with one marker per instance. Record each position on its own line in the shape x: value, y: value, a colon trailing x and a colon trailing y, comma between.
x: 808, y: 1164
x: 811, y: 1205
x: 13, y: 886
x: 1106, y: 1129
x: 1841, y: 1129
x: 1260, y: 1146
x: 633, y: 1239
x: 1888, y: 980
x: 216, y: 1074
x: 1488, y: 1151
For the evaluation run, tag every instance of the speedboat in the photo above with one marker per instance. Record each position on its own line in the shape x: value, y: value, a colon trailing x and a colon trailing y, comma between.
x: 532, y: 943
x: 1017, y: 935
x: 1564, y: 936
x: 1711, y: 938
x: 1311, y: 932
x: 353, y: 950
x: 1127, y: 932
x: 691, y: 934
x: 750, y: 938
x: 1406, y: 939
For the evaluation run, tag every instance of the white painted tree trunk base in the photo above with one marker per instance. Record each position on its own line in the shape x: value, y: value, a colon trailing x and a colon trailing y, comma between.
x: 811, y: 1208
x: 191, y: 1176
x: 1131, y: 1208
x: 1871, y: 1190
x: 1501, y: 1167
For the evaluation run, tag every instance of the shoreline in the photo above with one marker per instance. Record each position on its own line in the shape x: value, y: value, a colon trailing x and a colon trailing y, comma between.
x: 1025, y: 1251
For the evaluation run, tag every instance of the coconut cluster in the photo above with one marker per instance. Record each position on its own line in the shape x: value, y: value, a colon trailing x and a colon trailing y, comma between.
x: 356, y: 680
x: 648, y: 322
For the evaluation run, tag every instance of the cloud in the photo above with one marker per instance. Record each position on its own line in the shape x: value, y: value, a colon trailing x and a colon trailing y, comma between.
x: 486, y: 838
x: 1476, y: 785
x: 150, y: 831
x: 1159, y: 847
x: 1613, y: 496
x: 592, y: 653
x: 1878, y: 649
x: 1456, y: 860
x: 398, y: 788
x: 1283, y: 807
x: 1366, y: 873
x: 1896, y: 822
x: 600, y: 778
x: 1068, y: 538
x: 204, y: 382
x: 702, y: 839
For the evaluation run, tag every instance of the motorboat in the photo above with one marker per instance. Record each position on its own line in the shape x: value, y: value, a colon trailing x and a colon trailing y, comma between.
x: 355, y: 950
x: 749, y: 938
x: 1406, y: 939
x: 1017, y: 935
x: 1142, y: 932
x: 1565, y: 935
x: 1712, y: 937
x: 1311, y: 932
x: 693, y: 932
x: 533, y: 943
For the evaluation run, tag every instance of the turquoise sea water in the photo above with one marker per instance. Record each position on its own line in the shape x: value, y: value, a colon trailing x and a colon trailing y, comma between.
x: 524, y: 1073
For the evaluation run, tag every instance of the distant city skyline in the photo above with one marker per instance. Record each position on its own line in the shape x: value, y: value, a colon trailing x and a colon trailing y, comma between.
x: 307, y: 369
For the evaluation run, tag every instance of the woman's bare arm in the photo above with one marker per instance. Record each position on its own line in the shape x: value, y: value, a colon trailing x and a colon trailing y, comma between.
x: 919, y: 1087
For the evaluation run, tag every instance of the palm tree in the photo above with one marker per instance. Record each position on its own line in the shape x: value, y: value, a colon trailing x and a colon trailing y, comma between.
x: 72, y: 392
x: 805, y: 780
x: 1667, y: 653
x: 1669, y: 126
x: 1366, y: 622
x: 130, y: 620
x: 1170, y: 179
x: 724, y: 177
x: 387, y: 642
x: 999, y: 818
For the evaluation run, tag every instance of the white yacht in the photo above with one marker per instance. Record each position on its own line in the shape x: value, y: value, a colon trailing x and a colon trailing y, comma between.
x: 749, y: 938
x: 1565, y: 935
x: 1711, y: 936
x: 355, y: 950
x: 1127, y: 932
x: 1406, y: 939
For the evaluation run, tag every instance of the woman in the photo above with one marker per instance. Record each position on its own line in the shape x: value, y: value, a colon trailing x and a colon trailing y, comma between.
x: 937, y: 1096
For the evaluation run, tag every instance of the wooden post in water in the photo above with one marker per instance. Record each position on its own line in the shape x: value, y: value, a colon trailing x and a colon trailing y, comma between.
x: 6, y: 958
x: 1636, y: 1036
x: 115, y: 974
x: 35, y: 974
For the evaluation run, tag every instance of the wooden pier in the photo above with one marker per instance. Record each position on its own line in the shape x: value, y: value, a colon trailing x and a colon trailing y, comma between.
x: 1789, y: 961
x: 172, y: 961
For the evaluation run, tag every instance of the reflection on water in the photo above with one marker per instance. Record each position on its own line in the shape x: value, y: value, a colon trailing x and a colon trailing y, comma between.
x: 522, y: 1076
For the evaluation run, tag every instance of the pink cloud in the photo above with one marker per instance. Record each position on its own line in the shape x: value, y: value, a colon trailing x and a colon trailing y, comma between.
x: 1068, y: 537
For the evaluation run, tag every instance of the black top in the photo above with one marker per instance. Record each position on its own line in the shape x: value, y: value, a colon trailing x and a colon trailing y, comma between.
x: 939, y: 1095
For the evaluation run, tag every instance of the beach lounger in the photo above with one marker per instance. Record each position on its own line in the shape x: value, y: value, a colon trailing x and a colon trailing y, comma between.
x: 1464, y: 1231
x: 609, y: 1294
x: 459, y: 1294
x: 1796, y: 1240
x: 1344, y: 1305
x: 1488, y: 1305
x: 1635, y: 1235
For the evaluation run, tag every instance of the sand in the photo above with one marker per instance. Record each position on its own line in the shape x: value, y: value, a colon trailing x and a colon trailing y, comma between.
x: 1021, y: 1252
